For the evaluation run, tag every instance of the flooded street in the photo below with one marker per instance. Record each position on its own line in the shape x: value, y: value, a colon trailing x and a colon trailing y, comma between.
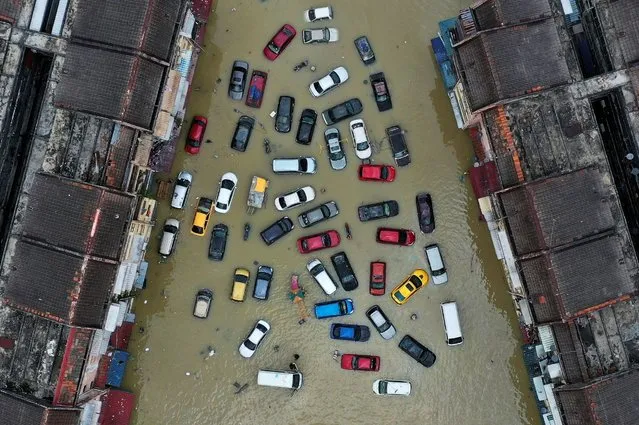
x: 481, y: 382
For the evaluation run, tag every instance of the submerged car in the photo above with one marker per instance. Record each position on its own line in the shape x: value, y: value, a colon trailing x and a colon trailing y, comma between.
x: 320, y: 35
x: 279, y: 42
x: 413, y: 283
x: 436, y: 264
x: 343, y: 111
x: 321, y: 276
x: 202, y: 216
x: 256, y: 89
x: 254, y: 339
x: 391, y: 387
x: 361, y: 141
x: 295, y: 198
x: 360, y: 362
x: 328, y: 82
x: 365, y: 50
x: 401, y: 237
x: 217, y: 246
x: 348, y: 332
x: 417, y: 351
x: 240, y: 282
x: 181, y: 189
x: 425, y: 214
x: 318, y: 214
x: 237, y: 84
x: 381, y: 322
x: 308, y: 244
x: 334, y: 308
x: 303, y: 165
x: 225, y: 193
x: 336, y: 155
x: 306, y: 127
x: 378, y: 210
x: 202, y: 305
x: 376, y: 173
x: 380, y: 92
x: 378, y: 278
x: 242, y: 134
x: 318, y: 13
x: 277, y: 230
x: 344, y: 271
x: 397, y: 142
x: 196, y: 134
x: 263, y: 280
x: 170, y: 233
x: 284, y: 115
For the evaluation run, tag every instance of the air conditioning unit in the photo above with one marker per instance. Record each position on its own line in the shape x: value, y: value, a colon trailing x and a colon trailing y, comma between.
x: 548, y: 419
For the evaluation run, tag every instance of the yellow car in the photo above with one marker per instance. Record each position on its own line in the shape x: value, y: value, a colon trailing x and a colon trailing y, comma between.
x: 202, y: 216
x: 409, y: 286
x: 240, y: 282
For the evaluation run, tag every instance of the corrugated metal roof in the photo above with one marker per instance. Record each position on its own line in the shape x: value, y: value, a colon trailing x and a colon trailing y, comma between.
x: 117, y: 408
x: 20, y: 410
x: 625, y: 14
x: 10, y: 10
x: 496, y: 13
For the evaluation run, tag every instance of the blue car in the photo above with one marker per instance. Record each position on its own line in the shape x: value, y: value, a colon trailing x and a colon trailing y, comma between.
x: 334, y: 308
x: 350, y: 332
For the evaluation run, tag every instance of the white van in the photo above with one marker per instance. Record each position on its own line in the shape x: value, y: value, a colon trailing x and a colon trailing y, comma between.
x: 169, y: 236
x: 304, y: 165
x: 181, y: 189
x: 436, y: 264
x: 280, y: 378
x: 318, y: 271
x: 452, y: 328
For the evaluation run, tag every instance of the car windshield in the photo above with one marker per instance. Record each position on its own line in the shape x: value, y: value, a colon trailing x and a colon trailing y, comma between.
x: 361, y: 146
x: 399, y: 296
x: 305, y: 244
x: 382, y: 387
x: 387, y: 209
x: 203, y: 209
x: 317, y: 270
x: 415, y: 281
x: 227, y: 184
x: 318, y: 87
x: 302, y: 195
x: 249, y: 344
x: 311, y: 14
x: 402, y: 237
x: 334, y: 77
x: 326, y: 239
x: 325, y: 211
x: 354, y: 362
x: 273, y: 48
x: 342, y: 307
x: 263, y: 276
x: 261, y: 327
x: 221, y: 205
x: 241, y: 278
x: 303, y: 164
x: 183, y: 182
x: 282, y: 202
x: 384, y: 173
x: 170, y: 229
x: 197, y: 229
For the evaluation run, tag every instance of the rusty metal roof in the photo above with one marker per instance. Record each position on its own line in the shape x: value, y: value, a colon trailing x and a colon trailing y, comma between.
x: 625, y: 15
x: 510, y: 62
x: 21, y: 410
x: 496, y: 13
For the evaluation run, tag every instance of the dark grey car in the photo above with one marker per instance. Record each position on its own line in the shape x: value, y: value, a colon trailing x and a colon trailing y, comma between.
x: 263, y: 282
x: 378, y: 210
x: 237, y: 84
x: 217, y: 246
x: 276, y: 230
x: 242, y: 134
x: 336, y: 155
x: 343, y: 111
x: 284, y: 117
x: 318, y: 214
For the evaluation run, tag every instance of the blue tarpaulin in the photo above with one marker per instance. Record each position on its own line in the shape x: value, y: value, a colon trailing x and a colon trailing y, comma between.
x: 117, y: 368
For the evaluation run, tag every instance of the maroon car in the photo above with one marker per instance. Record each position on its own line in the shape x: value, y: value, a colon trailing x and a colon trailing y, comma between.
x: 318, y: 241
x: 378, y: 278
x: 403, y: 237
x: 360, y: 362
x: 278, y: 43
x: 196, y: 134
x: 256, y: 89
x: 425, y: 214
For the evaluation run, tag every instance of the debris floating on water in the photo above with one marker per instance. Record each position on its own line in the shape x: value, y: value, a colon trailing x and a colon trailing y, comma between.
x: 413, y: 316
x: 188, y: 373
x: 147, y: 349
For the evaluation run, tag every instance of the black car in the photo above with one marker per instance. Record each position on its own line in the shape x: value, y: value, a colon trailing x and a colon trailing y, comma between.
x: 217, y: 246
x: 397, y: 142
x: 242, y: 134
x: 284, y: 116
x: 378, y: 210
x: 237, y: 83
x: 365, y: 50
x: 263, y: 282
x: 380, y: 92
x: 276, y: 230
x: 340, y: 112
x: 425, y: 214
x: 413, y: 348
x: 344, y: 271
x: 306, y: 127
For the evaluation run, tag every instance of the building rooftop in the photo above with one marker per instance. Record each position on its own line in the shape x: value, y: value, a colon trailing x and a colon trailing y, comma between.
x: 110, y: 84
x: 511, y: 62
x: 495, y: 13
x: 147, y: 26
x: 19, y: 410
x: 613, y: 400
x: 625, y: 15
x: 10, y: 9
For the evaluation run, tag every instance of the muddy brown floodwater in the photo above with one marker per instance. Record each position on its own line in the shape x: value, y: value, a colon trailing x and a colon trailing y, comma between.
x: 481, y: 382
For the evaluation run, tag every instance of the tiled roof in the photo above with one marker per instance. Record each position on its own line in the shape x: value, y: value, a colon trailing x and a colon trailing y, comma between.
x: 496, y: 13
x: 19, y: 410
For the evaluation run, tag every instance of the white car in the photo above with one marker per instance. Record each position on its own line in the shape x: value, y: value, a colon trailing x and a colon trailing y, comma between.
x: 360, y: 139
x: 390, y: 387
x: 320, y: 35
x: 250, y: 344
x: 225, y: 193
x: 295, y: 198
x: 181, y: 190
x: 318, y: 271
x: 325, y: 84
x: 318, y: 14
x: 302, y: 165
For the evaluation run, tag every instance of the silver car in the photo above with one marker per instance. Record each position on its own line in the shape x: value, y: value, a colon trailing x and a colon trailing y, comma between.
x: 237, y: 84
x: 336, y: 154
x: 318, y: 214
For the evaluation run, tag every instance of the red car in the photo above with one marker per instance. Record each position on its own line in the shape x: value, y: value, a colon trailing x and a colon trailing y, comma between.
x: 376, y: 173
x: 402, y: 237
x: 318, y: 241
x: 378, y: 278
x: 256, y: 89
x: 279, y: 42
x: 196, y: 134
x: 360, y: 362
